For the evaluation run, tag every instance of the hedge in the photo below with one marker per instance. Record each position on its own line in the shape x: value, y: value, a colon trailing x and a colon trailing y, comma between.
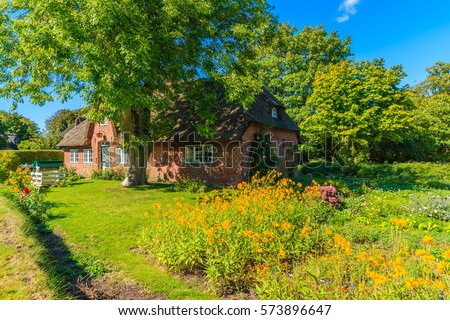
x: 11, y: 159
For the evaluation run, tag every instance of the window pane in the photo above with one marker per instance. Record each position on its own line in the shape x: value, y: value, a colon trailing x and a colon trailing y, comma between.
x: 208, y: 152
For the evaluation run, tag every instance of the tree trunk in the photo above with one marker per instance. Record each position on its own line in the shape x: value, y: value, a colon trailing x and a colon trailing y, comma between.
x: 135, y: 137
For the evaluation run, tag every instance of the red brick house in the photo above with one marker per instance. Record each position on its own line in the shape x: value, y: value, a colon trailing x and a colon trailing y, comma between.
x: 88, y: 146
x: 225, y: 159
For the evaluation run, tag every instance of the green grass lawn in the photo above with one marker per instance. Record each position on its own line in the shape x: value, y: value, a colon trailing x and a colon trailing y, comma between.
x: 101, y: 221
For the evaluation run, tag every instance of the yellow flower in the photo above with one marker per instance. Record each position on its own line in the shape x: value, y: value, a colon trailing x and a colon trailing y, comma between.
x: 260, y: 250
x: 18, y: 170
x: 446, y: 254
x: 442, y: 267
x: 362, y: 256
x: 248, y: 233
x: 282, y: 253
x: 399, y: 222
x: 157, y: 205
x: 286, y: 225
x: 145, y: 214
x: 428, y: 240
x: 290, y: 207
x: 439, y: 284
x: 373, y: 261
x: 275, y: 224
x: 428, y: 258
x: 361, y: 287
x: 378, y: 279
x: 226, y: 224
x: 409, y: 283
x: 420, y: 252
x: 305, y: 231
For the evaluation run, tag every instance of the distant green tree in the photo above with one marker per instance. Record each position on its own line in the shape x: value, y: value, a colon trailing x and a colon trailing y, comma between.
x: 356, y: 110
x: 432, y: 115
x: 23, y: 127
x: 291, y: 62
x: 3, y: 142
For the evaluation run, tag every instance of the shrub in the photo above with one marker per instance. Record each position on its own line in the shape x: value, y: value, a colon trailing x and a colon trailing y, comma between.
x: 29, y: 198
x: 9, y: 161
x: 233, y: 234
x: 109, y: 174
x: 187, y: 184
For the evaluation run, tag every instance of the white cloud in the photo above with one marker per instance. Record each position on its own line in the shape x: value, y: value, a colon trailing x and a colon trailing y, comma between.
x: 349, y: 8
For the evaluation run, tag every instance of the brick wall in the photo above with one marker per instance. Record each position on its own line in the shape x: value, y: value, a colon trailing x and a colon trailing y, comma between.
x: 167, y: 163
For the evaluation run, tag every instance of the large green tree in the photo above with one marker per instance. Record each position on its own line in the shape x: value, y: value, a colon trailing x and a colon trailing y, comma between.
x: 432, y: 116
x: 22, y: 127
x: 129, y: 58
x: 356, y: 110
x: 291, y: 62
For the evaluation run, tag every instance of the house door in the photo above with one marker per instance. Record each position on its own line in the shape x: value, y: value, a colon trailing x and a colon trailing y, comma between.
x: 106, y: 159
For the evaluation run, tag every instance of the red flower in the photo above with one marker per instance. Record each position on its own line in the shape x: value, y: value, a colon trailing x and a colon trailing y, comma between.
x: 26, y: 191
x: 22, y: 197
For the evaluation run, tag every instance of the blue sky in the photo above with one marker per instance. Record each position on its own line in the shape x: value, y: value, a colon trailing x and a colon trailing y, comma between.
x: 415, y: 34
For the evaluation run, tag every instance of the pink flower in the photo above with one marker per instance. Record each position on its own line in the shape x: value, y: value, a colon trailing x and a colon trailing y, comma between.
x: 22, y: 197
x: 26, y: 191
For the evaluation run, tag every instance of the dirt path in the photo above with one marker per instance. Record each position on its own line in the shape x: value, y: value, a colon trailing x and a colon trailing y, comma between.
x: 20, y: 274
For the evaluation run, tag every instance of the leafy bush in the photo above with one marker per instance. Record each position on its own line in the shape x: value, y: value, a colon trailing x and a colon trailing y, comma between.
x: 29, y: 198
x: 109, y: 174
x: 232, y: 234
x: 9, y: 161
x: 187, y: 184
x: 29, y: 156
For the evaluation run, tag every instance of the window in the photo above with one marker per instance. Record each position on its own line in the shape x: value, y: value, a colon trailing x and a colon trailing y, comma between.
x: 88, y: 156
x: 121, y: 156
x: 73, y: 157
x: 199, y: 154
x: 274, y: 113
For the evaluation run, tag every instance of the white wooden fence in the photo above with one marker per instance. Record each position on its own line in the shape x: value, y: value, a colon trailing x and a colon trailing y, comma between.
x: 47, y: 178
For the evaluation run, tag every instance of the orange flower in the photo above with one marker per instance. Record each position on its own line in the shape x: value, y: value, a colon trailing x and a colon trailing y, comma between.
x: 442, y: 267
x: 286, y: 225
x: 428, y: 240
x: 226, y: 224
x: 446, y: 254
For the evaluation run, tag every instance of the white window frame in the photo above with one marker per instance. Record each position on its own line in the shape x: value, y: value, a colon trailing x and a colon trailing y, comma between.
x: 274, y: 113
x: 121, y: 156
x: 88, y: 155
x: 199, y: 154
x: 74, y: 156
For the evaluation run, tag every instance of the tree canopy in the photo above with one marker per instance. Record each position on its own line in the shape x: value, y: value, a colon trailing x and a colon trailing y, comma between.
x: 290, y: 63
x: 355, y: 109
x: 128, y: 57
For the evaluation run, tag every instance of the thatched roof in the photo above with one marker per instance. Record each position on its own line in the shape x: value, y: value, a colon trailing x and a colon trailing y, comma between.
x: 231, y: 118
x: 78, y: 135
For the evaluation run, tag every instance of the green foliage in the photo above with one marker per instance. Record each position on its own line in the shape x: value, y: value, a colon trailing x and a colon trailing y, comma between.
x: 14, y: 123
x: 264, y: 157
x: 188, y: 184
x: 129, y: 59
x: 109, y: 174
x: 29, y: 156
x: 29, y: 198
x: 354, y: 109
x: 384, y: 176
x: 9, y: 161
x: 291, y: 62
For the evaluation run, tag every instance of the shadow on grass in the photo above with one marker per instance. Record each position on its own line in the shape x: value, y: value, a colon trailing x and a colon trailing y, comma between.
x: 66, y: 276
x: 56, y: 260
